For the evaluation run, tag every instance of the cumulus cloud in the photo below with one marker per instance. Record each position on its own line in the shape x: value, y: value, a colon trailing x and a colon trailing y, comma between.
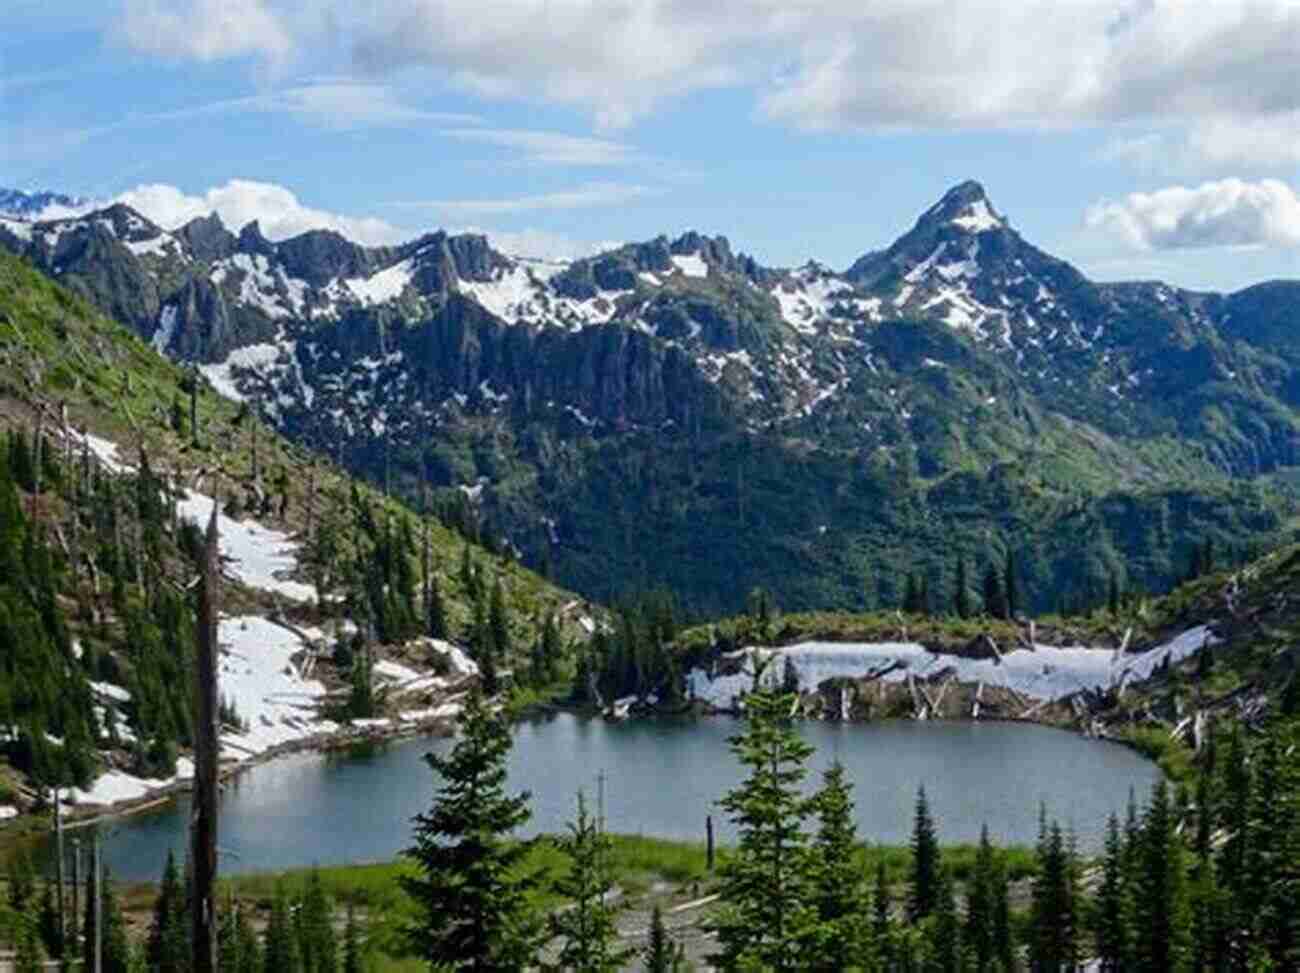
x: 1229, y: 212
x: 239, y: 201
x: 591, y: 194
x: 834, y: 64
x: 206, y: 30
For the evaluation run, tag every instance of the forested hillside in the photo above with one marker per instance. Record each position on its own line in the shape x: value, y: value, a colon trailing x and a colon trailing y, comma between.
x: 109, y: 454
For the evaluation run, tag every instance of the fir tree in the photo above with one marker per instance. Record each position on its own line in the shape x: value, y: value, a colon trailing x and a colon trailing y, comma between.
x: 981, y: 906
x: 280, y: 954
x: 995, y: 601
x: 881, y: 924
x: 764, y: 914
x: 498, y: 623
x: 837, y: 888
x: 923, y: 887
x: 317, y: 945
x: 662, y: 955
x: 472, y: 897
x: 1012, y: 584
x: 1054, y: 943
x: 352, y: 943
x: 1112, y: 917
x: 437, y: 620
x: 961, y: 591
x: 586, y: 926
x: 167, y: 948
x: 1160, y: 900
x: 945, y: 929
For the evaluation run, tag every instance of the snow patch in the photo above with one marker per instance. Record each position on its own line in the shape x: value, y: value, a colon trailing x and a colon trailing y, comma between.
x: 385, y: 285
x: 976, y: 218
x: 1046, y: 673
x: 691, y: 264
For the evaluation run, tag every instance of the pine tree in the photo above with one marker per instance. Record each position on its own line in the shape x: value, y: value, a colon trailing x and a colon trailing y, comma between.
x: 586, y: 927
x: 881, y: 924
x: 437, y: 621
x: 1112, y: 918
x: 995, y: 601
x: 472, y: 895
x: 352, y: 943
x: 1012, y: 585
x: 837, y: 889
x: 945, y: 928
x: 764, y: 915
x: 961, y: 591
x: 317, y: 944
x: 981, y: 906
x: 167, y: 948
x: 662, y: 955
x: 1054, y: 943
x: 498, y: 623
x: 923, y: 887
x: 280, y: 954
x: 1162, y: 933
x: 117, y: 949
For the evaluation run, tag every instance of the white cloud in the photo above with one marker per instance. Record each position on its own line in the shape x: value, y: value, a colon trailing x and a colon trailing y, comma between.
x: 239, y: 201
x: 206, y: 30
x: 550, y: 148
x: 1272, y: 140
x: 591, y: 194
x: 834, y: 64
x: 1229, y: 212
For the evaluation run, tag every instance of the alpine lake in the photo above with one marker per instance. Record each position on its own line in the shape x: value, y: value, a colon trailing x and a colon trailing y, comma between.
x: 660, y: 777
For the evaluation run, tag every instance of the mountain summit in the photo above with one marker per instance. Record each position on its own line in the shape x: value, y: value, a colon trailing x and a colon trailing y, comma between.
x: 670, y: 372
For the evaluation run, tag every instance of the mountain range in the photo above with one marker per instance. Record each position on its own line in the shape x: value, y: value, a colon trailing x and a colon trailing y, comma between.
x: 673, y: 412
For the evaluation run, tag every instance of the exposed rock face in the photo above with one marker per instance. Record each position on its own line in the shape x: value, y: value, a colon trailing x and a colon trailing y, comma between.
x: 674, y: 375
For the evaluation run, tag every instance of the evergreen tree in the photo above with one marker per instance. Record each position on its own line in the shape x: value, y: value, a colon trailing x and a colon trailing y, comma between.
x: 945, y: 952
x: 1012, y: 584
x: 317, y: 945
x: 995, y: 601
x: 116, y: 947
x: 961, y: 591
x: 923, y: 887
x: 472, y: 897
x: 1054, y: 944
x: 168, y: 947
x: 1160, y: 901
x: 1112, y: 918
x: 352, y: 943
x: 763, y: 888
x: 280, y: 954
x: 437, y: 621
x: 498, y: 624
x: 981, y: 906
x: 586, y: 927
x: 881, y: 924
x: 662, y: 955
x: 837, y: 889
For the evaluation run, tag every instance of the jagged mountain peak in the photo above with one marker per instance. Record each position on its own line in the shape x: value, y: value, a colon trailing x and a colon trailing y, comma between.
x: 965, y: 208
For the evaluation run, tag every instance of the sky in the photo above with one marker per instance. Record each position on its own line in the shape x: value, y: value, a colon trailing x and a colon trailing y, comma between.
x: 1138, y: 139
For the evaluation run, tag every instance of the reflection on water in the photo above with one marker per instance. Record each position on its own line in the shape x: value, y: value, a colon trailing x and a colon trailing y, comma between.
x: 662, y: 778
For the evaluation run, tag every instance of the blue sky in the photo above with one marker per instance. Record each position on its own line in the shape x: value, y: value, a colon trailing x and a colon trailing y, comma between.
x: 1137, y: 139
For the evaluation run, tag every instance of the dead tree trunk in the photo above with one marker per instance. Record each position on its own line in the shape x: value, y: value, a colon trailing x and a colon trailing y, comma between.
x: 203, y: 819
